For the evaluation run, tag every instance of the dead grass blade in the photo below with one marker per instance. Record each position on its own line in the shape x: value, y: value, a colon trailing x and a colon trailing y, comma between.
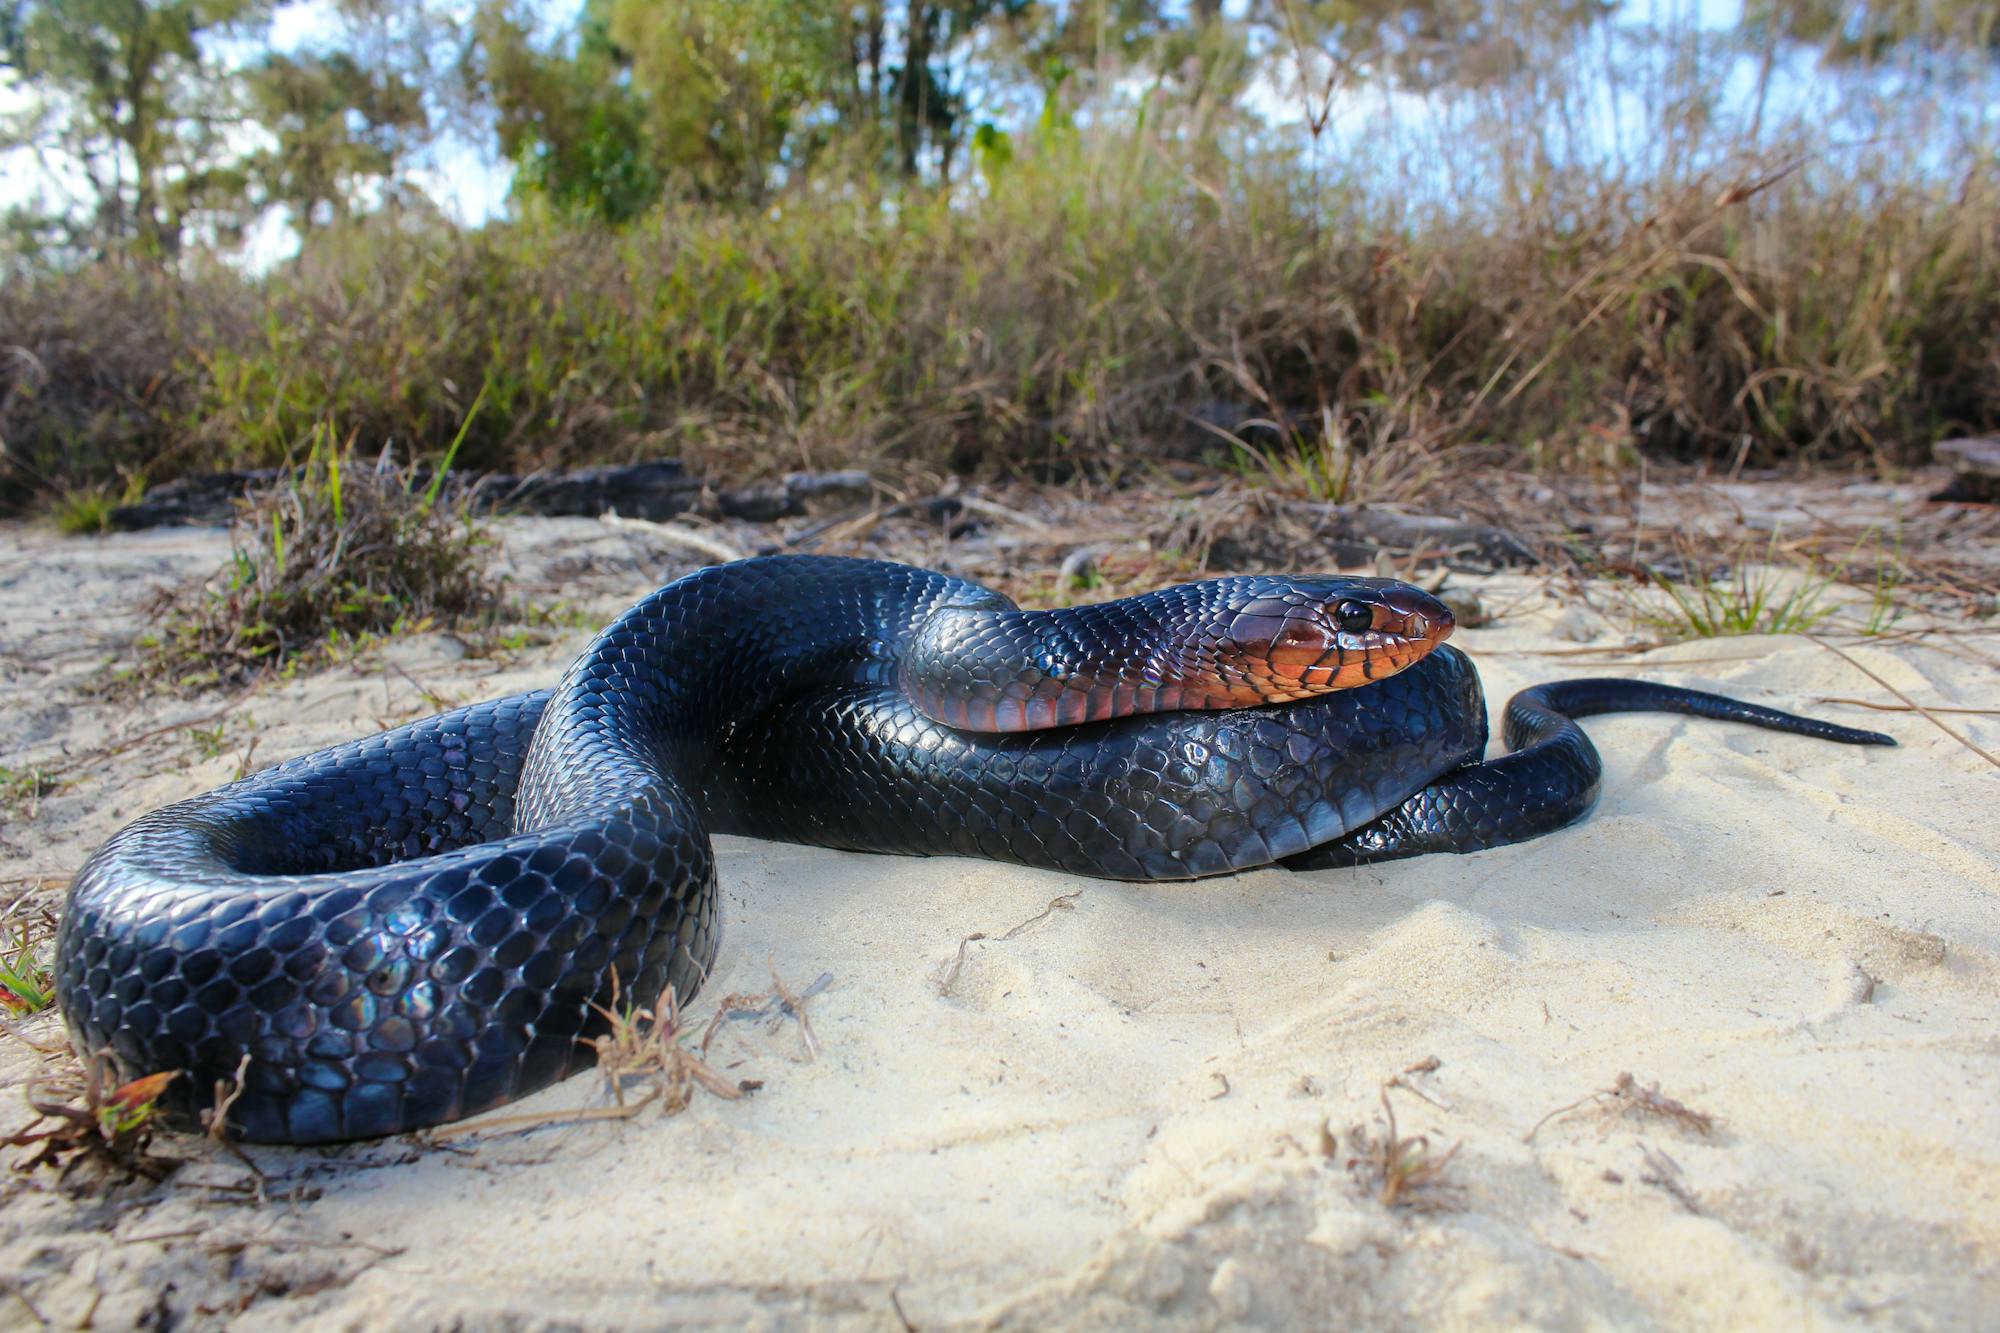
x: 1915, y: 707
x: 1401, y: 1172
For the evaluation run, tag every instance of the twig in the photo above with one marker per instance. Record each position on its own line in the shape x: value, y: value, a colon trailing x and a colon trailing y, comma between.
x: 713, y: 547
x: 508, y: 1124
x: 796, y: 1003
x: 120, y: 747
x: 1915, y: 707
x: 949, y: 976
x: 992, y: 509
x: 1635, y: 1096
x: 1666, y: 1175
x: 1062, y: 901
x: 1427, y: 1065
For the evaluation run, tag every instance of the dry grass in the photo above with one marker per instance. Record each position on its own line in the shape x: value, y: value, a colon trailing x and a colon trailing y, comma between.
x: 1628, y: 1096
x: 646, y: 1058
x: 1401, y: 1171
x: 1130, y: 294
x: 325, y: 562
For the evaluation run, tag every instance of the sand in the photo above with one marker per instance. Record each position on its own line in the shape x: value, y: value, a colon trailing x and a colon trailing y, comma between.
x: 1152, y: 1104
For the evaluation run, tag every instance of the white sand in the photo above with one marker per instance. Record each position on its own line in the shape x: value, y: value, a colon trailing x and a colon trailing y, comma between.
x: 1121, y: 1114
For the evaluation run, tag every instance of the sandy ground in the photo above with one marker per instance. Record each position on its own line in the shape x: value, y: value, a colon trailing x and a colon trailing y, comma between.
x: 1152, y: 1104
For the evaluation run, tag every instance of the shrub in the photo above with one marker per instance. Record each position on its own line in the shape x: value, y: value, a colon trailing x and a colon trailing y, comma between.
x: 335, y: 556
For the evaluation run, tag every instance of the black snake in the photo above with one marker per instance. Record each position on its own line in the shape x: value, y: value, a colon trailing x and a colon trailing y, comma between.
x: 424, y: 924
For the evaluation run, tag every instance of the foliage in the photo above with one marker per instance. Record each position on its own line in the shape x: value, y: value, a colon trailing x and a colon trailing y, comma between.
x: 27, y: 981
x: 86, y: 1117
x: 129, y: 91
x: 336, y: 126
x: 338, y: 554
x: 1752, y: 598
x: 652, y: 100
x: 724, y: 247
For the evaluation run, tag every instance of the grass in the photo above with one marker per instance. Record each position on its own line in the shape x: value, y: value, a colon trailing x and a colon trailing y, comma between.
x: 1074, y: 315
x: 1749, y: 597
x: 1401, y: 1171
x: 83, y: 513
x: 83, y: 1118
x: 27, y: 978
x: 323, y: 564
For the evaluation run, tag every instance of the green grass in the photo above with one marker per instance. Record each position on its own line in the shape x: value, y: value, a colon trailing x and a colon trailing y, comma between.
x: 1749, y: 598
x: 83, y: 513
x: 27, y: 979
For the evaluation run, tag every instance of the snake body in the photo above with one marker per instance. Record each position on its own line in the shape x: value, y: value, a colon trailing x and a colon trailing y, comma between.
x: 425, y: 924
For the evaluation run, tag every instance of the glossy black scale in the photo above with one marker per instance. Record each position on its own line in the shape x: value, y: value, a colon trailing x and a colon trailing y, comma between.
x: 418, y: 926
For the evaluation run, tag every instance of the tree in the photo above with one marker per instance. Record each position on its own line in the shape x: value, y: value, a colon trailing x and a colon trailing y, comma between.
x: 334, y: 126
x: 1428, y: 44
x: 723, y: 102
x: 130, y: 97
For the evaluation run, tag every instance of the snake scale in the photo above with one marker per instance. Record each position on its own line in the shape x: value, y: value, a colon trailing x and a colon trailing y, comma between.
x: 424, y: 924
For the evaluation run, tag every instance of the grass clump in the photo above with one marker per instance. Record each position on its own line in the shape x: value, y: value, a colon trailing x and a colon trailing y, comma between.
x: 83, y: 1117
x: 326, y: 562
x: 1749, y: 597
x: 85, y: 513
x: 27, y: 977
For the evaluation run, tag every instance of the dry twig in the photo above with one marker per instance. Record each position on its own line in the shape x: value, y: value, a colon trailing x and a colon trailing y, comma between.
x: 1631, y: 1095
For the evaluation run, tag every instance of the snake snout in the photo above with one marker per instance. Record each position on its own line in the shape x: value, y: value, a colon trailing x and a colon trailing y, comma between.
x: 1415, y: 614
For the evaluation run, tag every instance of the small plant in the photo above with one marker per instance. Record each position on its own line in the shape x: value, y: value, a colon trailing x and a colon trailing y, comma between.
x: 94, y: 1122
x: 1884, y: 610
x: 1326, y: 464
x: 25, y: 788
x: 27, y: 983
x: 208, y: 741
x: 1320, y: 468
x: 325, y: 563
x: 85, y: 513
x: 1401, y: 1171
x: 1753, y: 598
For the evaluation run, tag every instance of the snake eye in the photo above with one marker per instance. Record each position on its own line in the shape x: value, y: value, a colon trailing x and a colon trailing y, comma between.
x: 1354, y: 617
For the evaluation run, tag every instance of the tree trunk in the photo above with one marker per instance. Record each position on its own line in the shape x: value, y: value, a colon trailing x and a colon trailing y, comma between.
x: 918, y: 25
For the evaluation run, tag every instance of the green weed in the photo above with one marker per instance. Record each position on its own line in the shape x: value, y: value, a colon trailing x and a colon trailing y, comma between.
x: 1752, y: 597
x: 27, y: 978
x: 83, y: 513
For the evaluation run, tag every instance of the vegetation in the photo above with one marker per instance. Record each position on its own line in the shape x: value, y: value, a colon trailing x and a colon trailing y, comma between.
x: 1004, y: 235
x: 27, y: 981
x: 326, y: 561
x: 1748, y: 599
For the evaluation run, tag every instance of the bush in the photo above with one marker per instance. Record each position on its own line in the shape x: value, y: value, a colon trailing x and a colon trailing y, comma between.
x: 324, y: 562
x: 1071, y: 312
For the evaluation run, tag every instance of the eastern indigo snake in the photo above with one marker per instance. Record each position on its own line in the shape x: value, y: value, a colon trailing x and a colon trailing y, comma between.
x: 423, y: 924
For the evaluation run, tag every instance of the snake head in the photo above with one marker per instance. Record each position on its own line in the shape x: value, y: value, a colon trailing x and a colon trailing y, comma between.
x: 1298, y: 636
x: 1223, y: 643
